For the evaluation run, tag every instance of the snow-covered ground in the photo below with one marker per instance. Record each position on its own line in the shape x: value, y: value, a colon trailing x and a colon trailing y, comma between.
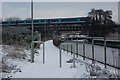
x: 51, y: 69
x: 0, y: 62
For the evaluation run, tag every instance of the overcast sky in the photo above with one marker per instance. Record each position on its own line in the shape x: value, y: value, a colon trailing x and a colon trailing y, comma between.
x: 56, y: 9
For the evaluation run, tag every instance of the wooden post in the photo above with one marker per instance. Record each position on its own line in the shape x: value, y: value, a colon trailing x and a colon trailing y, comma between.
x: 105, y: 52
x: 92, y: 50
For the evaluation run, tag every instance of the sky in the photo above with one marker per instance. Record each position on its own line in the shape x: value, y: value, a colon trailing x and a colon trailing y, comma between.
x: 55, y: 9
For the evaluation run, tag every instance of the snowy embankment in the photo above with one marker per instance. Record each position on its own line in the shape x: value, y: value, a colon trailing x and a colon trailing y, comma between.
x: 51, y: 69
x: 12, y: 58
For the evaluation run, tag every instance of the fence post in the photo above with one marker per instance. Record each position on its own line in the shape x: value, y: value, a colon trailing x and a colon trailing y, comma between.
x: 92, y: 50
x: 40, y: 36
x: 77, y: 49
x: 71, y: 38
x: 64, y: 48
x: 60, y: 56
x: 43, y: 52
x: 71, y: 49
x: 67, y: 48
x: 74, y: 57
x: 105, y: 51
x: 67, y: 38
x: 32, y: 52
x: 84, y: 49
x: 61, y: 46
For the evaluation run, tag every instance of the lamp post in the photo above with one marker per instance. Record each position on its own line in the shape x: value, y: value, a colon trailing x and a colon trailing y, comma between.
x: 32, y: 45
x: 32, y: 18
x: 119, y: 35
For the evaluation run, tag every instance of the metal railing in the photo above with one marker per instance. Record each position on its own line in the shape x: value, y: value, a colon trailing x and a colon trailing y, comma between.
x: 108, y: 56
x: 32, y: 49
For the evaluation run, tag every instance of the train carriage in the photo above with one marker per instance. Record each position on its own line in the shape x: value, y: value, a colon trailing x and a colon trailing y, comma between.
x: 49, y: 21
x: 11, y: 23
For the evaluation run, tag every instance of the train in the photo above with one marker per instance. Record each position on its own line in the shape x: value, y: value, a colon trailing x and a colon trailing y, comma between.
x: 47, y: 21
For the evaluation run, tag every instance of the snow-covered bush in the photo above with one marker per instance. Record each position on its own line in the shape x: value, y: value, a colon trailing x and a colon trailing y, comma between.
x: 93, y: 69
x: 56, y: 42
x: 16, y: 54
x: 6, y: 66
x: 96, y: 70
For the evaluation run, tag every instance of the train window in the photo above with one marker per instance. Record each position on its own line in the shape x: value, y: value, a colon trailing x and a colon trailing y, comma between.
x: 42, y: 20
x: 4, y: 22
x: 63, y: 20
x: 12, y: 22
x: 68, y: 20
x: 28, y: 21
x: 46, y: 20
x: 74, y: 19
x: 35, y: 21
x: 20, y: 21
x: 82, y: 19
x: 54, y: 20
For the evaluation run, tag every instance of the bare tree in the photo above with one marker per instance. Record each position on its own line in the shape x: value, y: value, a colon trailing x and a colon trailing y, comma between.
x: 100, y: 13
x: 28, y: 18
x: 107, y: 16
x: 12, y: 19
x: 92, y: 14
x: 100, y: 16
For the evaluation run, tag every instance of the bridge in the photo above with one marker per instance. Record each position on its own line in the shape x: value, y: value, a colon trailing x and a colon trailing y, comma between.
x: 48, y: 25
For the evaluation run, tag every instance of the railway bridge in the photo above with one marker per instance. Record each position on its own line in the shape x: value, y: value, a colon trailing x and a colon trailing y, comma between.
x: 48, y: 25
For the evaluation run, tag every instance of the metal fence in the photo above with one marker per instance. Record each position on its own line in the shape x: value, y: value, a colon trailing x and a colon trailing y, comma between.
x: 102, y: 54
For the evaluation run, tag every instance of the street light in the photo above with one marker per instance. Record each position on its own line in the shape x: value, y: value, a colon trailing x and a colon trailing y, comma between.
x: 32, y: 45
x: 119, y: 35
x: 32, y: 18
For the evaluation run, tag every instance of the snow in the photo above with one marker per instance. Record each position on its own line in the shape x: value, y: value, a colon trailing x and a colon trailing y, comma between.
x: 0, y: 61
x: 51, y: 67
